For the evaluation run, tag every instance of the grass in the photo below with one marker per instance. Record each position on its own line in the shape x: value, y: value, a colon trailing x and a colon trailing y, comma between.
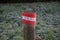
x: 48, y: 16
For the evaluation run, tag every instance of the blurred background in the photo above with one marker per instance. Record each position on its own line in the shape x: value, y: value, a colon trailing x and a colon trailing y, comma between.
x: 48, y: 20
x: 26, y: 1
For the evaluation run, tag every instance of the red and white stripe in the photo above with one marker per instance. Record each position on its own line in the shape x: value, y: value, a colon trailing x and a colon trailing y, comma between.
x: 29, y: 18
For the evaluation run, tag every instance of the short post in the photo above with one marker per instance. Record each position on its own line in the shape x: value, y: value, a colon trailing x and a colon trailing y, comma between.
x: 29, y: 21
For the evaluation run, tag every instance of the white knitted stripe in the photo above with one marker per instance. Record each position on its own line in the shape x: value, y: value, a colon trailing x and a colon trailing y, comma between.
x: 28, y: 18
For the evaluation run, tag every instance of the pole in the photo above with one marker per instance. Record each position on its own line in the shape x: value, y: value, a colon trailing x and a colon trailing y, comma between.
x: 29, y: 32
x: 29, y: 21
